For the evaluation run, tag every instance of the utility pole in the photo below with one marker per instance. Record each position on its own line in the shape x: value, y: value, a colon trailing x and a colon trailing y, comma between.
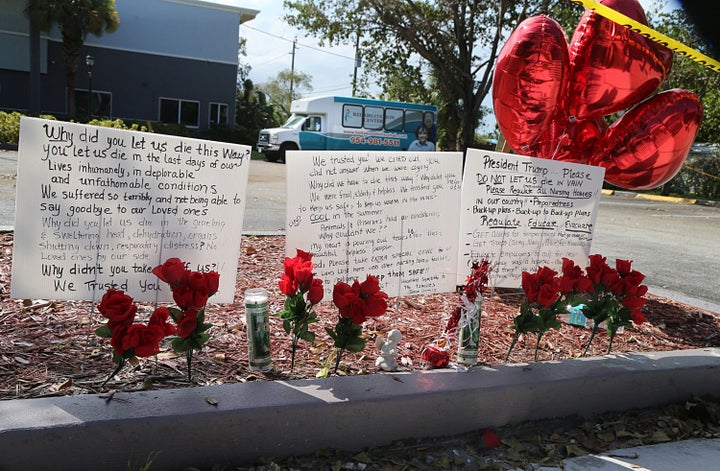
x: 292, y: 70
x: 358, y: 62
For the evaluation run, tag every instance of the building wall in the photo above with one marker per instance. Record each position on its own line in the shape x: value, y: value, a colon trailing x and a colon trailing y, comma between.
x: 181, y: 49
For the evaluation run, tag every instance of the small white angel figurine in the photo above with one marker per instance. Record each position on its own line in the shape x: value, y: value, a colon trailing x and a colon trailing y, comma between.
x: 388, y: 352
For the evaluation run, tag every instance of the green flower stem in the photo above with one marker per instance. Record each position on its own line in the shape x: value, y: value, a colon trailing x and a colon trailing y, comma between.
x: 611, y: 342
x: 512, y: 345
x: 119, y: 367
x: 592, y: 336
x: 340, y: 352
x: 188, y: 355
x: 537, y: 344
x: 294, y: 348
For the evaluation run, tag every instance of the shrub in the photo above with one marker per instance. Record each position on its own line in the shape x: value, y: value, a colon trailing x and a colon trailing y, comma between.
x: 118, y: 124
x: 699, y: 177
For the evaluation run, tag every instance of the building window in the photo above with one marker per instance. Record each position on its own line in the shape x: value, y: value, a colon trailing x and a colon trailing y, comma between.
x: 100, y: 103
x: 185, y: 112
x: 218, y: 114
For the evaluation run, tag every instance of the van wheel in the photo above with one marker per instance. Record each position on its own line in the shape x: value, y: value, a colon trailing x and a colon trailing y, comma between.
x: 286, y: 147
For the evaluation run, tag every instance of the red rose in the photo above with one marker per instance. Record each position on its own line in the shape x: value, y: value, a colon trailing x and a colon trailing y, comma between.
x: 117, y: 339
x: 187, y: 323
x: 303, y: 275
x: 360, y: 301
x: 598, y: 266
x: 623, y: 266
x: 530, y: 286
x: 375, y: 301
x: 171, y: 272
x: 287, y: 285
x: 118, y: 307
x: 183, y: 296
x: 144, y: 339
x: 200, y: 291
x: 573, y: 278
x: 298, y: 273
x: 316, y: 292
x: 212, y: 280
x: 547, y: 295
x: 344, y: 294
x: 160, y: 318
x: 303, y: 256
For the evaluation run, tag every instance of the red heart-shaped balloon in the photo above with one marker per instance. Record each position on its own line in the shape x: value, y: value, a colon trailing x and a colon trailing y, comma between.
x: 529, y: 80
x: 569, y: 141
x: 647, y: 146
x: 611, y: 67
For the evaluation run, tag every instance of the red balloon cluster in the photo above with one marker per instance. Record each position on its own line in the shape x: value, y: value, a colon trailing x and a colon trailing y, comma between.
x: 551, y: 98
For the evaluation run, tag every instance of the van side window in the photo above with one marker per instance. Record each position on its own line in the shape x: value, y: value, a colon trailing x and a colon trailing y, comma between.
x: 313, y: 124
x: 413, y: 119
x: 352, y: 116
x: 394, y: 119
x: 373, y: 118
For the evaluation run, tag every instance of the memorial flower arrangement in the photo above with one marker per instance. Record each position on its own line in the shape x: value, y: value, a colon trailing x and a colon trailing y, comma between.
x: 614, y: 296
x: 190, y: 290
x: 603, y: 294
x: 302, y: 292
x: 355, y: 304
x: 543, y: 302
x: 128, y: 338
x: 437, y: 354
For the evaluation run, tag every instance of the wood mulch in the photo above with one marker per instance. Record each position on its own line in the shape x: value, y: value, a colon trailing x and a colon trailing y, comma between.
x: 48, y: 348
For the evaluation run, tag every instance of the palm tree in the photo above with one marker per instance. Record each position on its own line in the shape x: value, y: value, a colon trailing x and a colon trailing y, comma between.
x: 76, y: 19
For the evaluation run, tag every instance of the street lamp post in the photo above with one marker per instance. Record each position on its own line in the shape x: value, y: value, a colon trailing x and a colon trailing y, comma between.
x: 89, y: 62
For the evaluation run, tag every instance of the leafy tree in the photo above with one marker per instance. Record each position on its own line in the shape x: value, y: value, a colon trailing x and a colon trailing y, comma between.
x: 252, y: 112
x: 452, y: 44
x: 76, y: 19
x: 691, y: 75
x: 243, y: 67
x: 279, y: 89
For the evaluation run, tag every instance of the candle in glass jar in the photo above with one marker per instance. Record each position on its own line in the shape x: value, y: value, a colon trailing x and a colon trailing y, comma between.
x: 258, y: 332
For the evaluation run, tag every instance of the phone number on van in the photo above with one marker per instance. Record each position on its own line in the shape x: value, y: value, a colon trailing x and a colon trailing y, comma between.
x: 375, y: 141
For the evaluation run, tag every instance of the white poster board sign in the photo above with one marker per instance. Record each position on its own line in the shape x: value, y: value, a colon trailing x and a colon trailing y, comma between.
x: 98, y: 208
x: 522, y: 213
x: 389, y: 214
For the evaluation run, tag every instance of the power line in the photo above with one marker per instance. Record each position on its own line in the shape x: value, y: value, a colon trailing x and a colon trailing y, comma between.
x: 301, y: 44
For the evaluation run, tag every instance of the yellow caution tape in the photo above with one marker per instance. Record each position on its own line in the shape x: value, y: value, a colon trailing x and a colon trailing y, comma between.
x: 649, y: 33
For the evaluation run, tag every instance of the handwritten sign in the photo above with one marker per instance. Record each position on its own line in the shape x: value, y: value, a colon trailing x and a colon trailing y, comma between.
x: 389, y: 214
x: 98, y: 208
x: 524, y: 212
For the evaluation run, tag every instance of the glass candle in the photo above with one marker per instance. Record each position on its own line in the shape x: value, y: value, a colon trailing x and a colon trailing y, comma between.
x: 258, y: 332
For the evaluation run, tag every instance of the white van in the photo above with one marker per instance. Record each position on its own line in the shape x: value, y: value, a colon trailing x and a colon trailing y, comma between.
x: 344, y: 123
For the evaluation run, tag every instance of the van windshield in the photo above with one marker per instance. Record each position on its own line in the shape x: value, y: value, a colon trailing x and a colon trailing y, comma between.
x: 293, y: 121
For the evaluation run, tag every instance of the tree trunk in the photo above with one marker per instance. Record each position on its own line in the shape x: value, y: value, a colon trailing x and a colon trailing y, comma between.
x: 72, y: 57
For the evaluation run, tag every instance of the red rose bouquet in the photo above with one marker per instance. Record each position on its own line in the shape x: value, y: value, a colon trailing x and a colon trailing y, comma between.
x: 463, y: 326
x: 543, y: 302
x: 302, y: 292
x: 603, y: 294
x: 613, y: 295
x: 190, y: 291
x: 128, y: 338
x: 355, y: 303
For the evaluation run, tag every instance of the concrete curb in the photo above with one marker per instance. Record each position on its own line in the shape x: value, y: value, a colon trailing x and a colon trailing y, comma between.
x: 181, y: 427
x: 668, y: 199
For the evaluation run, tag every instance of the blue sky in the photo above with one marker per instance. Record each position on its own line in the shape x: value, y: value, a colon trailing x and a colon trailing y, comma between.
x: 270, y: 45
